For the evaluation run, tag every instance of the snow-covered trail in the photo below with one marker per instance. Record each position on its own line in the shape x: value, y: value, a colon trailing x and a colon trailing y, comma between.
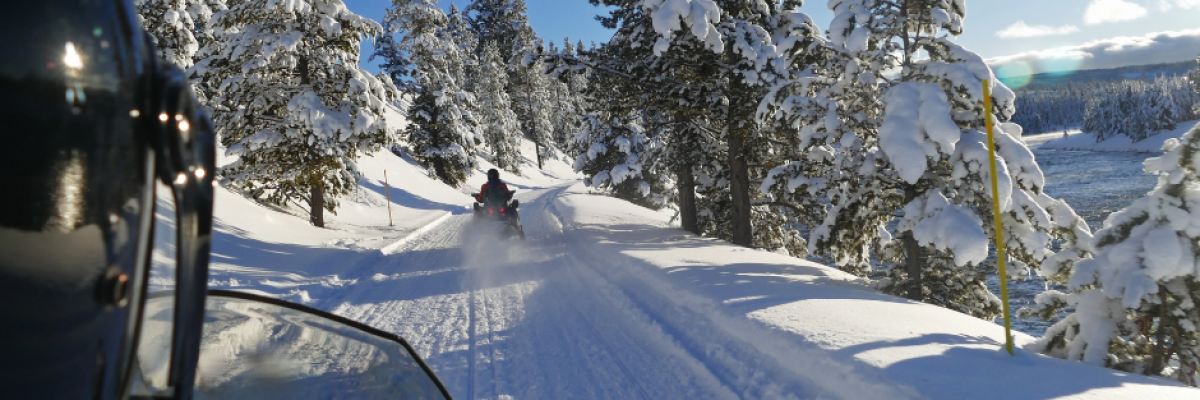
x: 523, y: 320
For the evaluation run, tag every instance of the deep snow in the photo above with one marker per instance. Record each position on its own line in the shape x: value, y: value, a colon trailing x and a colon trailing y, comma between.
x: 610, y: 300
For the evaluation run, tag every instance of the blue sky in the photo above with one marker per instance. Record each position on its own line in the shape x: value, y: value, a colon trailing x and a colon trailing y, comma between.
x: 1041, y: 35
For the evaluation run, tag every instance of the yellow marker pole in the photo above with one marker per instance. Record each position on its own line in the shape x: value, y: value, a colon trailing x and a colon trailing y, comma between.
x: 1000, y: 256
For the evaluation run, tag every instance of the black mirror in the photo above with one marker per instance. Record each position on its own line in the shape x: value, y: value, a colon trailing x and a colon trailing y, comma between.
x: 255, y: 347
x: 515, y: 203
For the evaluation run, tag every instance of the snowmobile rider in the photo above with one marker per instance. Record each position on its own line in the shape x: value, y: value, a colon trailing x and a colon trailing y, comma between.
x: 91, y: 121
x: 493, y: 185
x: 493, y: 181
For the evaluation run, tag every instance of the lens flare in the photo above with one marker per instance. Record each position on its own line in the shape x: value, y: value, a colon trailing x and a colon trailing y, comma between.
x: 1015, y: 75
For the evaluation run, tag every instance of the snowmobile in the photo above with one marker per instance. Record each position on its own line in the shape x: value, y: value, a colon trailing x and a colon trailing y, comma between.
x: 493, y: 208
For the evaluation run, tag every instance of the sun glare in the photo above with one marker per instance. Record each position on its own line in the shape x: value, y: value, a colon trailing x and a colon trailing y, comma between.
x: 71, y: 57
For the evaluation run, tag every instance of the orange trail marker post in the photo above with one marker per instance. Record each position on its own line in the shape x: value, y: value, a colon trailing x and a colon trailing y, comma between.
x: 1000, y: 256
x: 388, y: 192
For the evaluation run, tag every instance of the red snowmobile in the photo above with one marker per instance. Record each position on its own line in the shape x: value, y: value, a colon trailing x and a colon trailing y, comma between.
x: 492, y: 205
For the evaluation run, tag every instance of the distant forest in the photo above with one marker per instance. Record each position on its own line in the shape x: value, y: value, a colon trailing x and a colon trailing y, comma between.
x: 1136, y: 101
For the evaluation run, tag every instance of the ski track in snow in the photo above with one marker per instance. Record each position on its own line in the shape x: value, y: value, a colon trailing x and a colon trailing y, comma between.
x: 501, y: 319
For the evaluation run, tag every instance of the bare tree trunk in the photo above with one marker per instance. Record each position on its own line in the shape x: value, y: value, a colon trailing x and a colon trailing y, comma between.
x: 913, y: 256
x: 739, y: 189
x: 1159, y: 356
x: 316, y: 204
x: 539, y: 150
x: 686, y: 187
x: 316, y: 201
x: 439, y: 169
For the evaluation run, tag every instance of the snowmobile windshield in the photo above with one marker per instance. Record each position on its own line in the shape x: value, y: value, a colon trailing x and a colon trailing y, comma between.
x: 255, y: 347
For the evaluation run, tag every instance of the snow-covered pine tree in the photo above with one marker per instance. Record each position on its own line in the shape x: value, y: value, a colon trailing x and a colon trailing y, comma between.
x: 567, y: 99
x: 1194, y: 77
x: 533, y: 97
x: 293, y: 106
x: 504, y: 24
x: 393, y: 62
x: 614, y: 149
x: 1135, y: 302
x: 618, y: 159
x: 1136, y: 109
x: 498, y: 122
x: 1160, y: 112
x: 1100, y: 117
x: 183, y: 34
x: 442, y: 128
x: 179, y: 28
x: 708, y: 62
x: 910, y: 150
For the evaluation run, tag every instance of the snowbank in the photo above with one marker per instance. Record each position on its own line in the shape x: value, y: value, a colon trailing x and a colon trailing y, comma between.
x: 819, y: 323
x: 1080, y: 141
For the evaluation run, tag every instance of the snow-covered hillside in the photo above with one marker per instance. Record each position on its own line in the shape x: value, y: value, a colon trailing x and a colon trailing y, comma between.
x: 610, y: 300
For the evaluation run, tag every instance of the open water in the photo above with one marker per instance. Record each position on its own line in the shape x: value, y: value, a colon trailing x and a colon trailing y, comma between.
x: 1095, y: 184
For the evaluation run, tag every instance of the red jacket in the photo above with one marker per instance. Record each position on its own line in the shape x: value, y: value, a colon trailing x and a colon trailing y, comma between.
x: 483, y: 190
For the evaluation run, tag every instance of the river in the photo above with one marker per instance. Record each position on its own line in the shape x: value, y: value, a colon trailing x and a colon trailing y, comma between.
x: 1095, y: 184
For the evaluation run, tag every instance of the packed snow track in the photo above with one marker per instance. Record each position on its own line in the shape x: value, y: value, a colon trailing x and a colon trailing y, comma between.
x: 500, y: 319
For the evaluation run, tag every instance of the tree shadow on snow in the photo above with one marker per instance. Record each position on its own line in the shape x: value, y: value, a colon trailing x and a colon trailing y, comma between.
x: 991, y: 373
x: 412, y: 200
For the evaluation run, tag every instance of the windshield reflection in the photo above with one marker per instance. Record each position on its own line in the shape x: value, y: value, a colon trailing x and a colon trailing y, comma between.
x: 256, y: 350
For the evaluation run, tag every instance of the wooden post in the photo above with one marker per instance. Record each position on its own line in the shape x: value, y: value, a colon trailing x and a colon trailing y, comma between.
x: 388, y: 192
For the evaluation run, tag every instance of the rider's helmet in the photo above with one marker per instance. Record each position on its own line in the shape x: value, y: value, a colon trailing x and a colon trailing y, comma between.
x: 493, y: 175
x: 90, y: 120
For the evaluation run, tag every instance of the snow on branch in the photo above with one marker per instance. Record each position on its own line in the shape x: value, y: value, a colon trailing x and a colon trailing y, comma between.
x: 669, y: 16
x: 915, y: 112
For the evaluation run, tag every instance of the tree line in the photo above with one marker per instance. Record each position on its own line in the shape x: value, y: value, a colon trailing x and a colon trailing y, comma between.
x: 1132, y: 107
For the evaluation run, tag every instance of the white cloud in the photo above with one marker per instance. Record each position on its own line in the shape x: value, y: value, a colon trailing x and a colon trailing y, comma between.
x: 1101, y: 11
x: 1023, y: 30
x: 1154, y: 48
x: 1167, y: 5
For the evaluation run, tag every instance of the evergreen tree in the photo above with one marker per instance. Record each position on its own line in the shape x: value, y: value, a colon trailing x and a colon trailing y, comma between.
x: 570, y: 100
x: 617, y: 160
x: 183, y: 35
x: 178, y: 27
x: 498, y: 122
x: 1194, y: 95
x: 1134, y: 303
x: 504, y: 25
x: 442, y: 128
x: 534, y: 106
x: 393, y: 61
x: 1137, y: 109
x: 292, y: 105
x: 707, y: 66
x: 910, y: 150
